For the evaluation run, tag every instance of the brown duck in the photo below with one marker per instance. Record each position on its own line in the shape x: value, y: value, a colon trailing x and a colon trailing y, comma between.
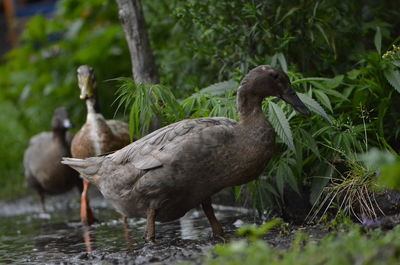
x: 97, y: 136
x: 42, y: 159
x: 174, y: 169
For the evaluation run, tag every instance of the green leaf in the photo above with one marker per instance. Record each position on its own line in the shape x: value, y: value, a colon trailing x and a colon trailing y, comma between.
x: 288, y: 14
x: 286, y: 173
x: 353, y: 74
x: 393, y: 77
x: 326, y: 87
x: 334, y: 82
x: 323, y: 98
x: 306, y: 80
x: 282, y: 62
x: 322, y: 31
x: 254, y: 232
x: 308, y: 141
x: 378, y: 40
x: 281, y: 125
x: 314, y: 106
x: 221, y: 88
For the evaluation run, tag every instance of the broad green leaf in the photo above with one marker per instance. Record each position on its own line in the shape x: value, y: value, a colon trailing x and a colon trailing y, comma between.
x: 306, y: 80
x: 308, y: 141
x: 274, y: 59
x: 328, y: 90
x: 220, y: 88
x: 334, y: 82
x: 323, y: 98
x: 282, y: 62
x: 314, y: 106
x: 353, y: 74
x: 378, y: 40
x: 281, y: 125
x: 393, y: 77
x: 334, y: 93
x: 284, y: 171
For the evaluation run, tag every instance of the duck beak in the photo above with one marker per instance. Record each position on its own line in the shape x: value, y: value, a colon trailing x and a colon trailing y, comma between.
x: 85, y: 85
x: 291, y: 97
x: 67, y: 124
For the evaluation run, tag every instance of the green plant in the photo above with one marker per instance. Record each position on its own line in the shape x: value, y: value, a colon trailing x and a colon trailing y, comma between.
x: 348, y: 247
x: 386, y: 165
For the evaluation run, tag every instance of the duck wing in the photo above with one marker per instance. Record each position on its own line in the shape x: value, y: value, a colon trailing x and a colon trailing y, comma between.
x: 188, y: 138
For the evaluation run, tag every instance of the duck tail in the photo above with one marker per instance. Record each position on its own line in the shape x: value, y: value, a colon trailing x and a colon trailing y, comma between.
x: 88, y: 168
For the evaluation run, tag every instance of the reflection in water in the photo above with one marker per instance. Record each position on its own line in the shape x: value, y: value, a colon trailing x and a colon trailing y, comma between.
x: 86, y: 238
x: 60, y: 238
x: 188, y: 230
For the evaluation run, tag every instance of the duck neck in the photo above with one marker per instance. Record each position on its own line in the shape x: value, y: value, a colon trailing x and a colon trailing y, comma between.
x: 249, y: 107
x: 91, y: 106
x: 59, y: 136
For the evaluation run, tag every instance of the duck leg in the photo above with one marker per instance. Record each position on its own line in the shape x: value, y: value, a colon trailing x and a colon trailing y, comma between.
x: 128, y: 236
x: 42, y: 201
x: 150, y: 233
x: 124, y: 220
x: 209, y: 211
x: 86, y: 212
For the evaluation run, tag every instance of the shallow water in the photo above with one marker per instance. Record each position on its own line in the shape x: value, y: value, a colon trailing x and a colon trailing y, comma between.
x: 28, y: 236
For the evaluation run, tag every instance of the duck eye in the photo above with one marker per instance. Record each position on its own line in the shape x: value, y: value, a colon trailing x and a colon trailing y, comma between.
x: 275, y: 76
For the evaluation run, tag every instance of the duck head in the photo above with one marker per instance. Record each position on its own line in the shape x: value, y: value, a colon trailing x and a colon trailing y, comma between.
x: 86, y: 82
x: 60, y: 121
x: 265, y: 81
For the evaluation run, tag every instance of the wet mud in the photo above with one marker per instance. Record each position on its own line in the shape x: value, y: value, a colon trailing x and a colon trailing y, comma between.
x: 28, y: 236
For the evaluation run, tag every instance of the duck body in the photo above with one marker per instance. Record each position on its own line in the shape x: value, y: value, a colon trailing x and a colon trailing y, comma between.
x: 42, y: 159
x: 179, y: 166
x: 97, y: 136
x: 174, y: 169
x: 43, y: 168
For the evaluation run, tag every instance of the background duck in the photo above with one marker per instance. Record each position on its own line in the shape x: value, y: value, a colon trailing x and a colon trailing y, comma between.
x: 42, y: 159
x: 97, y: 136
x: 174, y: 169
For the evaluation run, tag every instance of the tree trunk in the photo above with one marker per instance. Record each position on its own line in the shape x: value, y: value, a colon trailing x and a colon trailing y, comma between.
x: 143, y: 64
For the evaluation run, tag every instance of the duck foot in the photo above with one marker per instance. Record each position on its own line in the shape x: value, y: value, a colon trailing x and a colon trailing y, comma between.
x: 219, y: 238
